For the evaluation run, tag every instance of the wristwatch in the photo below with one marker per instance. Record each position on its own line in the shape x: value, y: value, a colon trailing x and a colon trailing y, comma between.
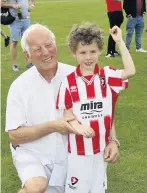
x: 113, y: 138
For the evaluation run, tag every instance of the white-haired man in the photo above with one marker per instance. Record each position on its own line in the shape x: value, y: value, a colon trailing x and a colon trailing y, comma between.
x: 36, y: 129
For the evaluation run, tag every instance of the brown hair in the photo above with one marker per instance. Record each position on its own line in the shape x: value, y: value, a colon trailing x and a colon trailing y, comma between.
x: 86, y: 33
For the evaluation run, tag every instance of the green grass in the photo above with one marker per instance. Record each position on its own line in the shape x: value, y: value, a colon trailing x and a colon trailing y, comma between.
x: 129, y: 175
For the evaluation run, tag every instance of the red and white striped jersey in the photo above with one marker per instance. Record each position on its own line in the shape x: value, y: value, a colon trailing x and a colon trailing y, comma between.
x: 92, y: 99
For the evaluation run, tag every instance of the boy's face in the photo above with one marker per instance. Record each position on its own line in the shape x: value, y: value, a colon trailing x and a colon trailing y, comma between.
x: 87, y: 55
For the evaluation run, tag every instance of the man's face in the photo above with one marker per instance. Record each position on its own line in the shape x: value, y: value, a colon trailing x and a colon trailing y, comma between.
x: 87, y: 55
x: 43, y: 51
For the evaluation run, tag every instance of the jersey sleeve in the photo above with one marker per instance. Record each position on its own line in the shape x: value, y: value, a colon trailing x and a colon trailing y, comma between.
x: 64, y: 100
x: 114, y: 80
x: 15, y: 111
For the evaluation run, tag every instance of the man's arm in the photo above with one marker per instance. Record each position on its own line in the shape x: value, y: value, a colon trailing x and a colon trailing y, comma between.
x: 26, y: 134
x: 8, y: 5
x: 32, y: 2
x: 129, y: 67
x: 126, y: 6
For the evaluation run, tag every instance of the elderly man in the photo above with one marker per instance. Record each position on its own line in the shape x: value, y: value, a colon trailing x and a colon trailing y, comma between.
x: 36, y: 129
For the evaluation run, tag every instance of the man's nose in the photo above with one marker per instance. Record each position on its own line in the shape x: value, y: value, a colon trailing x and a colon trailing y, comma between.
x: 44, y: 50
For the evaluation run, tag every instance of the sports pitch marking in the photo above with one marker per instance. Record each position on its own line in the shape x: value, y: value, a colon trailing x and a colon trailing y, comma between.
x: 65, y: 1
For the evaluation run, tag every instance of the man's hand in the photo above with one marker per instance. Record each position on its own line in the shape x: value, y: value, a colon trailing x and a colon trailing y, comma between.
x: 15, y: 6
x: 111, y: 152
x: 31, y: 7
x: 63, y: 127
x: 144, y: 13
x: 116, y: 34
x: 129, y: 16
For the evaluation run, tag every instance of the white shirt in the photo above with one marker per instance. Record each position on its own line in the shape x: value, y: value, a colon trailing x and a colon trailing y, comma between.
x: 31, y: 101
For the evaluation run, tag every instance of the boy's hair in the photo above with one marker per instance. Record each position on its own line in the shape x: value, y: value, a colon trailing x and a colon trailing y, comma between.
x: 86, y: 33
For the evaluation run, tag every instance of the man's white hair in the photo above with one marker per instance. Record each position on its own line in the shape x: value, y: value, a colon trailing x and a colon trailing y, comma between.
x: 24, y: 44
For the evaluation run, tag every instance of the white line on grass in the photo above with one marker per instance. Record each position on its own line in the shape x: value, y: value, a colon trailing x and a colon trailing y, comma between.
x: 64, y: 1
x: 58, y: 45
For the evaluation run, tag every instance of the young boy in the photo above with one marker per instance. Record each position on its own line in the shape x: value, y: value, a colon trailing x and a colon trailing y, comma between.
x: 88, y: 97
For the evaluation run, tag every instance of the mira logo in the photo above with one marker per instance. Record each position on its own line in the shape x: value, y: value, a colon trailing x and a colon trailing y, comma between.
x: 91, y: 106
x: 91, y: 110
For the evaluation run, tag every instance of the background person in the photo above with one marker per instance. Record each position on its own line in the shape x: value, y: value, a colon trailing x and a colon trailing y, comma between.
x: 115, y: 15
x: 89, y: 94
x: 135, y: 11
x: 4, y: 35
x: 18, y: 26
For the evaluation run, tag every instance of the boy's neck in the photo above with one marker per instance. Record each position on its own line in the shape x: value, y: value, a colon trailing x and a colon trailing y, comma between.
x: 85, y: 72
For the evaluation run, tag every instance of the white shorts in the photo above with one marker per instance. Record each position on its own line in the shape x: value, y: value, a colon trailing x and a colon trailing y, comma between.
x: 28, y: 166
x: 86, y: 174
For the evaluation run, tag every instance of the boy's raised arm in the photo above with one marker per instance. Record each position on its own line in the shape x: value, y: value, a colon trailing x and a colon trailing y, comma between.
x: 129, y: 67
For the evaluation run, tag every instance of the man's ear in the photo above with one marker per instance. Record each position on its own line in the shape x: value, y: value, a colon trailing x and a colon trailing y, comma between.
x: 27, y: 56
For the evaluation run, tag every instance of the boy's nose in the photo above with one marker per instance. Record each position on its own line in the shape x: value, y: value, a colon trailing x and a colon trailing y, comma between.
x: 88, y: 56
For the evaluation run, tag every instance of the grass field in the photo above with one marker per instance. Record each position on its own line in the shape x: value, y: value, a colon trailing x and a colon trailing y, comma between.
x: 129, y: 175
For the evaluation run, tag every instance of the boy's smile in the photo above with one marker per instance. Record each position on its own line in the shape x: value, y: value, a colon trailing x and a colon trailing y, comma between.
x: 87, y: 56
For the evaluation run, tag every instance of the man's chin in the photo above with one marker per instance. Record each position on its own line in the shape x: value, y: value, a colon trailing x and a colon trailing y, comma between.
x: 48, y: 67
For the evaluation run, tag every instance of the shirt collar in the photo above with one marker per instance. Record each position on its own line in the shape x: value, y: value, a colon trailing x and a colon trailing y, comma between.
x: 78, y: 71
x: 56, y: 75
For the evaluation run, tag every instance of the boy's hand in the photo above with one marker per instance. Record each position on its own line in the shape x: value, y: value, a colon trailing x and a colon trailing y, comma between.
x: 86, y: 131
x: 116, y: 34
x: 80, y: 129
x: 111, y: 153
